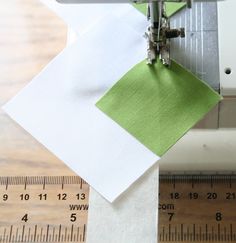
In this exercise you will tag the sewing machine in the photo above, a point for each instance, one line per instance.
(207, 50)
(159, 33)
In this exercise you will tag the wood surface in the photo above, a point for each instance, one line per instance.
(30, 37)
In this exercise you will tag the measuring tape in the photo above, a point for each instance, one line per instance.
(192, 208)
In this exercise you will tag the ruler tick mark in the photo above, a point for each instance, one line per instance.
(200, 233)
(47, 233)
(25, 185)
(194, 232)
(7, 183)
(84, 232)
(192, 180)
(211, 181)
(163, 233)
(53, 234)
(44, 182)
(10, 233)
(23, 233)
(188, 233)
(4, 235)
(35, 232)
(65, 232)
(225, 234)
(62, 184)
(212, 233)
(169, 231)
(59, 234)
(230, 181)
(17, 234)
(41, 233)
(175, 233)
(231, 232)
(219, 238)
(71, 235)
(28, 234)
(77, 238)
(81, 183)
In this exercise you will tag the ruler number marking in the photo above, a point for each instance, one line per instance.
(4, 197)
(174, 195)
(212, 195)
(62, 196)
(171, 215)
(218, 216)
(43, 196)
(81, 196)
(193, 195)
(73, 217)
(25, 218)
(230, 195)
(24, 197)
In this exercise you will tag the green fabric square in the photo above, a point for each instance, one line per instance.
(171, 8)
(158, 105)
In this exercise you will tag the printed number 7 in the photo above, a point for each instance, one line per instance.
(171, 216)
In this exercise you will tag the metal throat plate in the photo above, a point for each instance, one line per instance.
(198, 51)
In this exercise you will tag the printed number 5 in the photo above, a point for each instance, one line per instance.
(73, 217)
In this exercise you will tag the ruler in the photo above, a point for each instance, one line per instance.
(43, 209)
(197, 208)
(192, 208)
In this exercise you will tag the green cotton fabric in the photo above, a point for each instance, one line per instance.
(157, 104)
(171, 8)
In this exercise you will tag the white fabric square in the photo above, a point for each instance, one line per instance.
(58, 109)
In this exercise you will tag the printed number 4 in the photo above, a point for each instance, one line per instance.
(25, 218)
